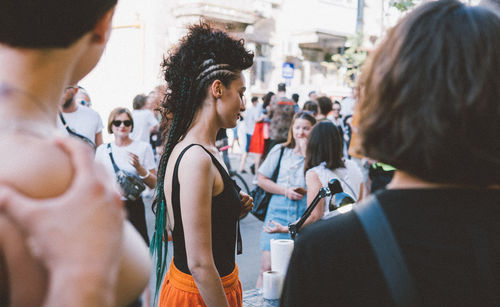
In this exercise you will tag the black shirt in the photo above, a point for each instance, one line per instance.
(226, 208)
(450, 239)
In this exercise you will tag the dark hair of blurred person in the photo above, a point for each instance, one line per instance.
(281, 87)
(139, 101)
(325, 106)
(267, 99)
(311, 106)
(319, 150)
(452, 99)
(50, 23)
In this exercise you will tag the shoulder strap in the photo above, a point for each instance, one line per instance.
(115, 167)
(72, 132)
(387, 251)
(276, 172)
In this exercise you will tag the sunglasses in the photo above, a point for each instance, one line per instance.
(118, 123)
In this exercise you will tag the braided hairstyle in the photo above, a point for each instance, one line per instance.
(203, 56)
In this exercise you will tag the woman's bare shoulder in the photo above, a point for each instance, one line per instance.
(33, 166)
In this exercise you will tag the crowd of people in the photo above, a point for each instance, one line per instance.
(424, 230)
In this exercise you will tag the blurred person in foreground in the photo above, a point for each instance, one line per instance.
(435, 100)
(44, 48)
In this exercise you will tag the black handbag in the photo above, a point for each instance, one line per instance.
(130, 183)
(260, 197)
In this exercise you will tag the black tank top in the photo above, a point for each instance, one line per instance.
(226, 208)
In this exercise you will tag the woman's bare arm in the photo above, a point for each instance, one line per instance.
(272, 187)
(313, 186)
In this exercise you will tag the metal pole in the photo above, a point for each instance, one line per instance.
(360, 16)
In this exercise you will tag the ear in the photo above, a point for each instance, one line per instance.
(102, 30)
(216, 89)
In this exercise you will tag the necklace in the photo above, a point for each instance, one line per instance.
(32, 127)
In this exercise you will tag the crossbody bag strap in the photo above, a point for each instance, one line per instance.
(115, 167)
(277, 169)
(387, 251)
(71, 131)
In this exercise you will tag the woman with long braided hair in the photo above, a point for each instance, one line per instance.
(195, 193)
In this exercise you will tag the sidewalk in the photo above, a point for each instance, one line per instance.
(253, 298)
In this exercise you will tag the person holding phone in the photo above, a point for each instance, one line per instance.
(288, 201)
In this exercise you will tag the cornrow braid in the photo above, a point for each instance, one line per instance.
(213, 75)
(211, 69)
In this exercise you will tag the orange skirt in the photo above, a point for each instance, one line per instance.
(179, 289)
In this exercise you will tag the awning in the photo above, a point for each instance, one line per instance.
(320, 39)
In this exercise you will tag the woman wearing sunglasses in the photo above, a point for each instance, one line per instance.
(132, 156)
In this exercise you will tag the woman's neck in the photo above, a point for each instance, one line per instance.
(203, 129)
(300, 147)
(31, 84)
(123, 141)
(403, 180)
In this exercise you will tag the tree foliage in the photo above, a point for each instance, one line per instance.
(351, 60)
(402, 5)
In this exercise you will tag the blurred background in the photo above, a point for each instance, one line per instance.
(311, 45)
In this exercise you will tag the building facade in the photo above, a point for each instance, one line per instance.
(293, 42)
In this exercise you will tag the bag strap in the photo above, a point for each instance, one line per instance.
(115, 167)
(72, 132)
(276, 172)
(387, 251)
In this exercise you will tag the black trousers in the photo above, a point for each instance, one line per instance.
(137, 216)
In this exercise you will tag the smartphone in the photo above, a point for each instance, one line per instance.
(300, 190)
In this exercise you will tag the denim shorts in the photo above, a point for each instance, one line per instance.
(283, 211)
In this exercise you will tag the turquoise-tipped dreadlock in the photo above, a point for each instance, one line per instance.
(158, 246)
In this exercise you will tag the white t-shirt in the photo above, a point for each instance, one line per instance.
(350, 179)
(251, 115)
(84, 121)
(144, 120)
(120, 155)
